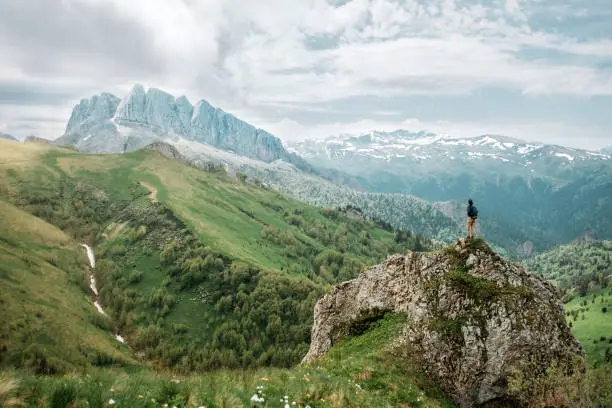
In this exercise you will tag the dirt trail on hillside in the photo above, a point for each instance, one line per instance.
(152, 189)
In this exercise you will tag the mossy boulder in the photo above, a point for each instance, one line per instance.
(474, 320)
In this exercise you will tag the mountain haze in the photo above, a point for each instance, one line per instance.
(551, 194)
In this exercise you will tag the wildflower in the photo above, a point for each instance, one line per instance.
(140, 396)
(257, 398)
(111, 402)
(293, 403)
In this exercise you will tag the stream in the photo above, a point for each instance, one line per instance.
(94, 288)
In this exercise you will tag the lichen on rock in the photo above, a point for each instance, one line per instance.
(473, 319)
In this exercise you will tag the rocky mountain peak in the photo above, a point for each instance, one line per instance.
(89, 112)
(106, 124)
(474, 319)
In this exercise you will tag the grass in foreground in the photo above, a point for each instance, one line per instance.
(357, 372)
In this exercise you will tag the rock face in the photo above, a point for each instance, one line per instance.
(473, 318)
(107, 124)
(167, 150)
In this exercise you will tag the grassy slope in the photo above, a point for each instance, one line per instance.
(357, 372)
(47, 320)
(592, 327)
(210, 204)
(580, 269)
(225, 215)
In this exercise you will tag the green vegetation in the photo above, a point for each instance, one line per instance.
(482, 289)
(591, 321)
(582, 271)
(196, 270)
(358, 371)
(577, 268)
(48, 324)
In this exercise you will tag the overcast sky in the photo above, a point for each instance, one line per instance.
(533, 69)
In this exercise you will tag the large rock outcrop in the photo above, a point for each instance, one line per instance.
(472, 319)
(107, 124)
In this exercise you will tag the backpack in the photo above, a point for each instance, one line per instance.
(474, 212)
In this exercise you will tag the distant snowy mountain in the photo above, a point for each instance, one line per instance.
(108, 124)
(434, 149)
(552, 193)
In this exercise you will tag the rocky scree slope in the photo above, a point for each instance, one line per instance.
(473, 319)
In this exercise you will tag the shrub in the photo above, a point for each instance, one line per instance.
(604, 309)
(63, 396)
(118, 249)
(555, 385)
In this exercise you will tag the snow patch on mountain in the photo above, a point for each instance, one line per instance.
(422, 146)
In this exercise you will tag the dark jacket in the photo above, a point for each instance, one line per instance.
(471, 211)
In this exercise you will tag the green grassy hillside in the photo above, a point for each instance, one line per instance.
(582, 271)
(576, 268)
(591, 320)
(48, 323)
(196, 269)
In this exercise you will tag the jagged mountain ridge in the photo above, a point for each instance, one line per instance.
(107, 124)
(423, 147)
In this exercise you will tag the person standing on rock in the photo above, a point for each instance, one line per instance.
(472, 214)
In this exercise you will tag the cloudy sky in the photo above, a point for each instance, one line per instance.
(534, 69)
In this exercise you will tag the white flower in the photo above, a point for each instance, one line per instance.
(287, 405)
(111, 402)
(293, 403)
(257, 398)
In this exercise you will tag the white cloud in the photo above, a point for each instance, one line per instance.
(257, 56)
